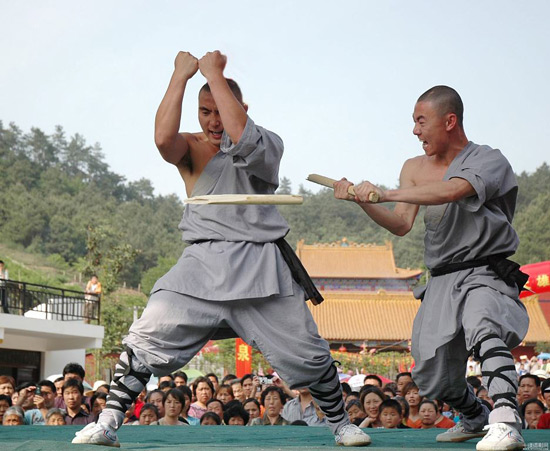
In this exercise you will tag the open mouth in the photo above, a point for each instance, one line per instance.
(216, 134)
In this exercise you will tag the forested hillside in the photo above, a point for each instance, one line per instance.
(59, 198)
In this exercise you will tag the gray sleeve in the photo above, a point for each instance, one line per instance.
(258, 152)
(489, 173)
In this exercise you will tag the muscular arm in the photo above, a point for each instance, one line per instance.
(232, 112)
(399, 221)
(172, 145)
(426, 192)
(408, 197)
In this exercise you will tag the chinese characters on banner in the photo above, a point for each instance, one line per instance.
(243, 358)
(539, 278)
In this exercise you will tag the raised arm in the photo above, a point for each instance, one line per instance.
(232, 112)
(172, 145)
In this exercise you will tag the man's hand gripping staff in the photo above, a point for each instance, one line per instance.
(365, 192)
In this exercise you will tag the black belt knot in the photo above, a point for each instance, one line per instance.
(505, 269)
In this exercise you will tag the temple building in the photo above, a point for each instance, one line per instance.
(369, 301)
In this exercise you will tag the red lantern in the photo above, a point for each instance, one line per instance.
(342, 348)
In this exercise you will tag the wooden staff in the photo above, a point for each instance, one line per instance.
(246, 199)
(329, 183)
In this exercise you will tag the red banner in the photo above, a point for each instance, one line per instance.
(243, 358)
(539, 278)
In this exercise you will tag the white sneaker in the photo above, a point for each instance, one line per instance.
(97, 434)
(458, 434)
(501, 437)
(351, 435)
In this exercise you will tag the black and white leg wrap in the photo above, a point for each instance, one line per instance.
(327, 393)
(129, 379)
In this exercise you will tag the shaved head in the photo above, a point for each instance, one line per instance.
(445, 100)
(232, 85)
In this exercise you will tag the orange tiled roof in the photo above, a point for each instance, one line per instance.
(388, 316)
(351, 260)
(365, 316)
(539, 330)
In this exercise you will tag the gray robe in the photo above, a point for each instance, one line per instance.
(474, 227)
(232, 254)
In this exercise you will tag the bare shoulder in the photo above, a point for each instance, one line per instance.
(411, 171)
(421, 170)
(191, 138)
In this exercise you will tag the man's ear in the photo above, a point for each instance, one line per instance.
(245, 106)
(451, 121)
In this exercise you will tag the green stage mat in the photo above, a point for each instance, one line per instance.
(286, 438)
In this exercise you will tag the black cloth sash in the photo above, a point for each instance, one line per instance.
(505, 269)
(299, 273)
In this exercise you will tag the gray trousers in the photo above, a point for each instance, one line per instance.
(443, 376)
(174, 327)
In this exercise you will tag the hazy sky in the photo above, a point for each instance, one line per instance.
(336, 80)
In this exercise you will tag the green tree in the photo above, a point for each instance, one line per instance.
(106, 257)
(117, 315)
(285, 187)
(153, 274)
(532, 227)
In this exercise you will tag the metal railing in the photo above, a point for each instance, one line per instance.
(44, 302)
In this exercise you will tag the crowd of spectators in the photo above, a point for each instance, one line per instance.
(254, 401)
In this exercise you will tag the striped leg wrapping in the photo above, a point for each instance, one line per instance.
(327, 393)
(129, 379)
(500, 377)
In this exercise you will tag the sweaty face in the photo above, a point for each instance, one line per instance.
(210, 119)
(390, 418)
(429, 127)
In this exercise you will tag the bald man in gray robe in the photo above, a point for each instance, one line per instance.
(237, 277)
(470, 304)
